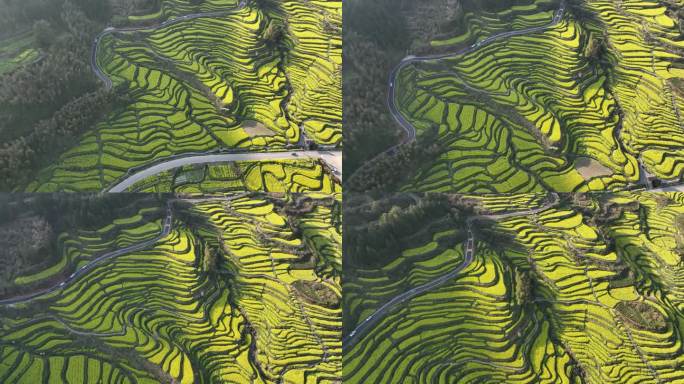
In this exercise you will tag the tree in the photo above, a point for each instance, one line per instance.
(523, 287)
(99, 10)
(210, 261)
(43, 33)
(273, 34)
(77, 22)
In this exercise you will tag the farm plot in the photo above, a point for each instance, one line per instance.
(222, 298)
(321, 231)
(590, 287)
(283, 176)
(466, 331)
(588, 290)
(201, 84)
(544, 110)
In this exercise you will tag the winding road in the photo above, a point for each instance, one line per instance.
(411, 59)
(167, 225)
(109, 30)
(166, 229)
(410, 130)
(332, 158)
(468, 258)
(408, 60)
(369, 321)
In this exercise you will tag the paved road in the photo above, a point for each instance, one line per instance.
(109, 30)
(410, 137)
(332, 158)
(391, 95)
(371, 320)
(166, 229)
(408, 60)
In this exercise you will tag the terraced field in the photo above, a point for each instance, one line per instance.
(248, 76)
(241, 289)
(281, 176)
(586, 289)
(578, 97)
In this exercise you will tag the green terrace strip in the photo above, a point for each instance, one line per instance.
(250, 77)
(584, 288)
(87, 266)
(456, 229)
(500, 204)
(242, 289)
(576, 99)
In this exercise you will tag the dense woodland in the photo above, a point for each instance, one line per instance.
(375, 39)
(387, 171)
